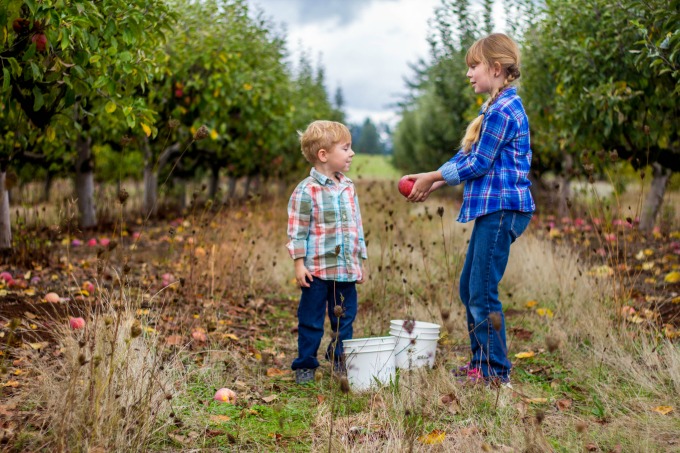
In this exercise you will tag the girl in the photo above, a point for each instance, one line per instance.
(494, 160)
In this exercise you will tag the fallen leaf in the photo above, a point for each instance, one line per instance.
(536, 400)
(270, 398)
(531, 304)
(320, 398)
(672, 277)
(30, 315)
(433, 438)
(663, 410)
(563, 404)
(12, 384)
(230, 336)
(38, 346)
(271, 372)
(525, 355)
(591, 447)
(219, 418)
(174, 340)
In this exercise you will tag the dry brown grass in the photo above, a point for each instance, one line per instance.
(110, 387)
(415, 258)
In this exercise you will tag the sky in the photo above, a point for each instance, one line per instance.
(365, 46)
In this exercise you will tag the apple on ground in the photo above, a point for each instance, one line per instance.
(225, 395)
(76, 323)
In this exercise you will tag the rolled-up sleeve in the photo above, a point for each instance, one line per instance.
(299, 217)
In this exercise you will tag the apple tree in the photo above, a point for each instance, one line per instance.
(66, 64)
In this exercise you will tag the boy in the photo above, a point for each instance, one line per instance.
(326, 240)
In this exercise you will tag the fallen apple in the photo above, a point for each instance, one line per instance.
(406, 186)
(76, 323)
(225, 395)
(52, 298)
(6, 276)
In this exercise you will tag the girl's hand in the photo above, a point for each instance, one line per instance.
(425, 184)
(302, 273)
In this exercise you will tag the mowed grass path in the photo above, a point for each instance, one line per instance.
(374, 167)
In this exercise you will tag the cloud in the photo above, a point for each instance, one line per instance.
(302, 12)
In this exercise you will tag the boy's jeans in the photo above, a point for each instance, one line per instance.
(314, 302)
(485, 262)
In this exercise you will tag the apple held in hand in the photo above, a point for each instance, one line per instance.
(406, 186)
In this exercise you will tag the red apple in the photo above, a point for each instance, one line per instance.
(225, 395)
(406, 186)
(20, 25)
(76, 323)
(40, 41)
(6, 276)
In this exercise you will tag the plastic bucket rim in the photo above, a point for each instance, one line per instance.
(417, 324)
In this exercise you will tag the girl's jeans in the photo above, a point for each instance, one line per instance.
(319, 298)
(485, 262)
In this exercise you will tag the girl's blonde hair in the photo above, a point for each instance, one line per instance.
(495, 48)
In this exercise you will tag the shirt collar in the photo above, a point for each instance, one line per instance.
(323, 179)
(509, 91)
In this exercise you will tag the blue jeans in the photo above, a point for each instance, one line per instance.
(485, 262)
(315, 301)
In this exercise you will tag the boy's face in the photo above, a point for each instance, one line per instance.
(339, 157)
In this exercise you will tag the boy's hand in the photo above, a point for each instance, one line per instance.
(363, 276)
(302, 274)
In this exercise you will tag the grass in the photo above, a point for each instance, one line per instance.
(373, 167)
(595, 390)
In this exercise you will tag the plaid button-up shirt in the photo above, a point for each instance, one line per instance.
(496, 168)
(324, 227)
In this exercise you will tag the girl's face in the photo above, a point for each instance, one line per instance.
(484, 79)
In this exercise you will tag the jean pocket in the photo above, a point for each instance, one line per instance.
(520, 222)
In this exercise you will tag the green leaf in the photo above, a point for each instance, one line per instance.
(16, 69)
(36, 71)
(5, 79)
(95, 58)
(38, 100)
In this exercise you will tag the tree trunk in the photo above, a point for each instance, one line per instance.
(150, 183)
(231, 188)
(564, 191)
(5, 224)
(85, 184)
(214, 182)
(181, 187)
(660, 178)
(47, 187)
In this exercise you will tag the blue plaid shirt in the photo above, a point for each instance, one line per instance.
(496, 168)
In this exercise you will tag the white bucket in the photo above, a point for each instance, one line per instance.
(419, 325)
(368, 360)
(415, 349)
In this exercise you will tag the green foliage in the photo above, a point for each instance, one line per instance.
(594, 84)
(366, 138)
(441, 103)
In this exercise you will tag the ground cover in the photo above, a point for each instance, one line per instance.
(207, 301)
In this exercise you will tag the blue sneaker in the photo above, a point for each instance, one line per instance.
(304, 376)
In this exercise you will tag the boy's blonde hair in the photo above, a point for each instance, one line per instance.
(492, 49)
(322, 134)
